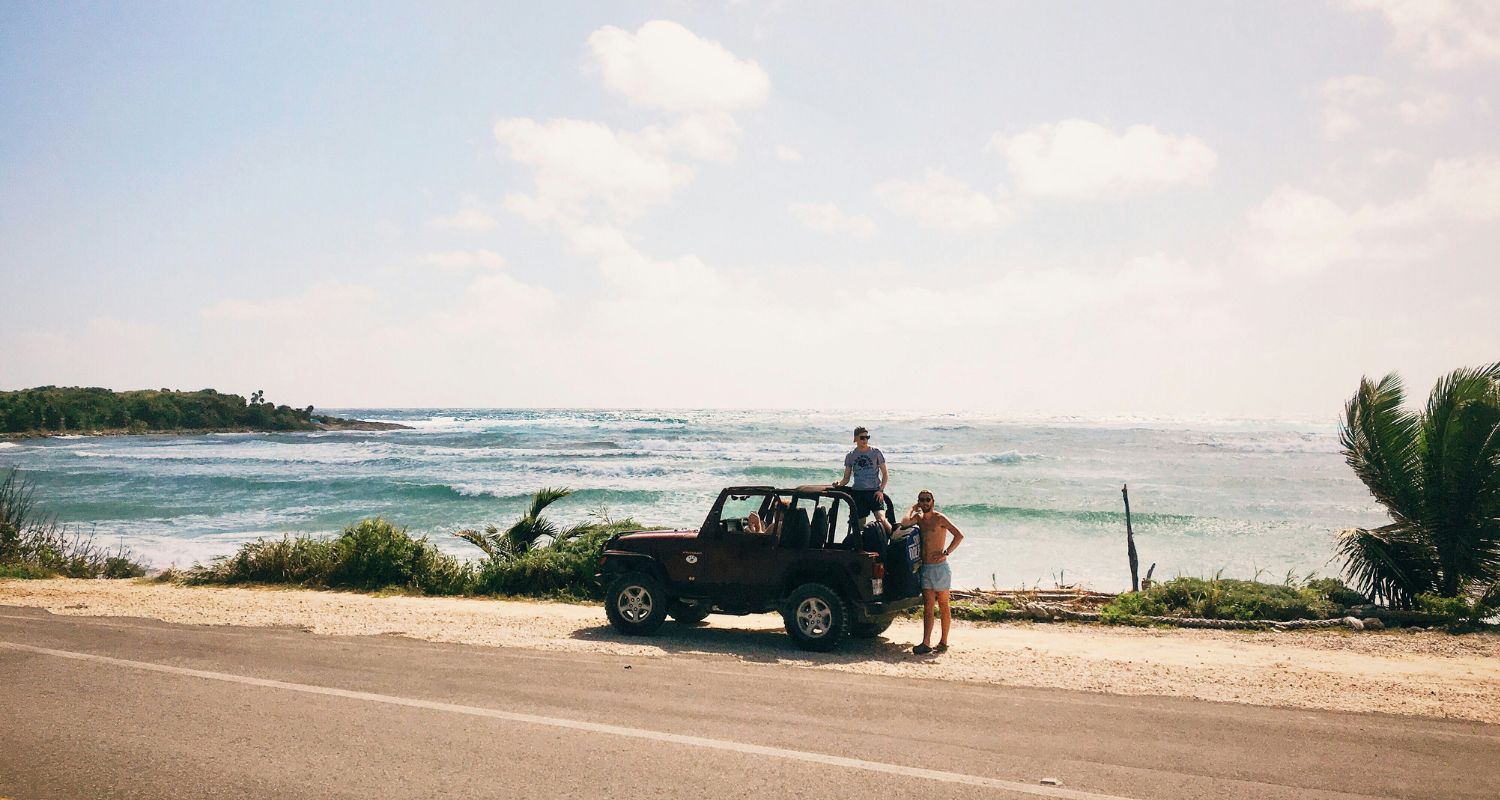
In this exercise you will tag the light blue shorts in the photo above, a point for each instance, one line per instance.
(937, 577)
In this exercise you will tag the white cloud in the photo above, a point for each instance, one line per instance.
(1080, 159)
(1441, 33)
(786, 153)
(1467, 188)
(1343, 100)
(472, 220)
(827, 218)
(665, 66)
(942, 203)
(1428, 108)
(1298, 232)
(582, 169)
(462, 260)
(1025, 297)
(498, 300)
(321, 302)
(711, 136)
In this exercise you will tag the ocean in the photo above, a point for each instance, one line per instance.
(1038, 499)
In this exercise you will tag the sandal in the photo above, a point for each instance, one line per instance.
(921, 650)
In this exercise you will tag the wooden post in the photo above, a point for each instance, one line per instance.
(1135, 566)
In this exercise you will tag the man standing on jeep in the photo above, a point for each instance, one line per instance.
(866, 465)
(937, 576)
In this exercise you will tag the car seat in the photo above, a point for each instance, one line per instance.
(796, 529)
(819, 537)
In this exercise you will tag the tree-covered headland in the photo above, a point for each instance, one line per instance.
(53, 409)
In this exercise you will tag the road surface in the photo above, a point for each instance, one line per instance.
(113, 707)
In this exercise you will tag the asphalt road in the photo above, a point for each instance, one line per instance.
(100, 707)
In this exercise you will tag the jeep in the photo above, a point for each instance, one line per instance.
(765, 549)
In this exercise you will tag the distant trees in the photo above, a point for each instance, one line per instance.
(1437, 473)
(50, 409)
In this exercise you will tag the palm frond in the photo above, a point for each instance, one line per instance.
(575, 531)
(477, 539)
(546, 497)
(1460, 436)
(1385, 564)
(527, 531)
(1380, 445)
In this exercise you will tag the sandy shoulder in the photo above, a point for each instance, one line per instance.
(1400, 672)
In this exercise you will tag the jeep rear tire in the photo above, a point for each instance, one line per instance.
(816, 617)
(636, 604)
(869, 630)
(689, 613)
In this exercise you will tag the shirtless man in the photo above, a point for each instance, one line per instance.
(937, 576)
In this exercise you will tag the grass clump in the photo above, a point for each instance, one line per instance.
(997, 611)
(370, 554)
(1232, 599)
(34, 545)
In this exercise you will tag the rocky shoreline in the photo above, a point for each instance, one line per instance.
(325, 424)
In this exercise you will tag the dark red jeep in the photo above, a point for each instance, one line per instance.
(801, 553)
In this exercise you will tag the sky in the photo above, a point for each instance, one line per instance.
(1154, 208)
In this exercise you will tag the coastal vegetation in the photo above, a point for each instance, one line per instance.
(371, 554)
(1233, 599)
(1437, 473)
(532, 557)
(34, 545)
(52, 409)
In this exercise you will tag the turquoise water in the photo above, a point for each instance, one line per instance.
(1039, 499)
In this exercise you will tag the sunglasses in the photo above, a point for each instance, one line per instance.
(924, 499)
(863, 438)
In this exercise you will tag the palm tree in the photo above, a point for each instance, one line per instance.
(1437, 472)
(527, 532)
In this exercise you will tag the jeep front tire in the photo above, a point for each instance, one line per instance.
(816, 617)
(636, 604)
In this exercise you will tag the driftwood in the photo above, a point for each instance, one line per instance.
(1135, 563)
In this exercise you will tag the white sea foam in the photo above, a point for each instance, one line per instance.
(4, 445)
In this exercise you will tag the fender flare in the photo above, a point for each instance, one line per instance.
(618, 562)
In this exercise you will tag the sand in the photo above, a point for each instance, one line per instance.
(1423, 673)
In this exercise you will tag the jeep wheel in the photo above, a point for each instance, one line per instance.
(689, 613)
(816, 617)
(869, 630)
(635, 604)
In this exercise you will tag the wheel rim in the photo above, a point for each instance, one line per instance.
(634, 603)
(814, 617)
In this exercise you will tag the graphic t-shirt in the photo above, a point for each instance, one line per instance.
(866, 467)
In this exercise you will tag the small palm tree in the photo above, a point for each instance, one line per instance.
(527, 532)
(1437, 472)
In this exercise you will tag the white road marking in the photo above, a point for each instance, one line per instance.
(590, 727)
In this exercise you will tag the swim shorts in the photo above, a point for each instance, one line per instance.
(937, 577)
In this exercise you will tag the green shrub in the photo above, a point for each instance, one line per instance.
(1455, 608)
(371, 554)
(994, 612)
(564, 570)
(1131, 609)
(1227, 598)
(25, 572)
(1337, 592)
